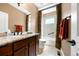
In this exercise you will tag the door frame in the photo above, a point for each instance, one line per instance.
(59, 18)
(73, 27)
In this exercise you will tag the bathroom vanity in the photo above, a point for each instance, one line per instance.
(20, 45)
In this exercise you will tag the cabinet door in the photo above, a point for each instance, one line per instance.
(26, 51)
(32, 50)
(20, 52)
(37, 45)
(6, 50)
(26, 48)
(19, 44)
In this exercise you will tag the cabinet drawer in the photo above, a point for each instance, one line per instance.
(6, 50)
(20, 52)
(19, 44)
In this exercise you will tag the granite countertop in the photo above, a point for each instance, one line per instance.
(10, 39)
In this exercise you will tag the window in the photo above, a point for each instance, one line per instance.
(49, 21)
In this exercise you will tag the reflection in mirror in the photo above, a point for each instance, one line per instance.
(4, 22)
(29, 23)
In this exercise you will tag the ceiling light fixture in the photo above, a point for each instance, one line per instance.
(19, 4)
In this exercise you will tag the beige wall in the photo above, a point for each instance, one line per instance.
(66, 11)
(34, 11)
(15, 17)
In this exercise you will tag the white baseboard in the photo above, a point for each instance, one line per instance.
(62, 53)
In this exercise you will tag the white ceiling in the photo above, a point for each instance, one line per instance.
(21, 9)
(49, 10)
(41, 6)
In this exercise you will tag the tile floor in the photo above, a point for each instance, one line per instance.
(49, 49)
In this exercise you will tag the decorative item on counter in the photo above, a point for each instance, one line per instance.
(18, 29)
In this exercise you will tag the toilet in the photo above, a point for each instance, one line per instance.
(41, 45)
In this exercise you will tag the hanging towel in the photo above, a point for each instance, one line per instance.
(61, 32)
(64, 29)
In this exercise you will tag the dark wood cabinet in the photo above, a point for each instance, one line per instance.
(6, 50)
(20, 52)
(26, 51)
(27, 47)
(19, 48)
(24, 47)
(19, 44)
(32, 48)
